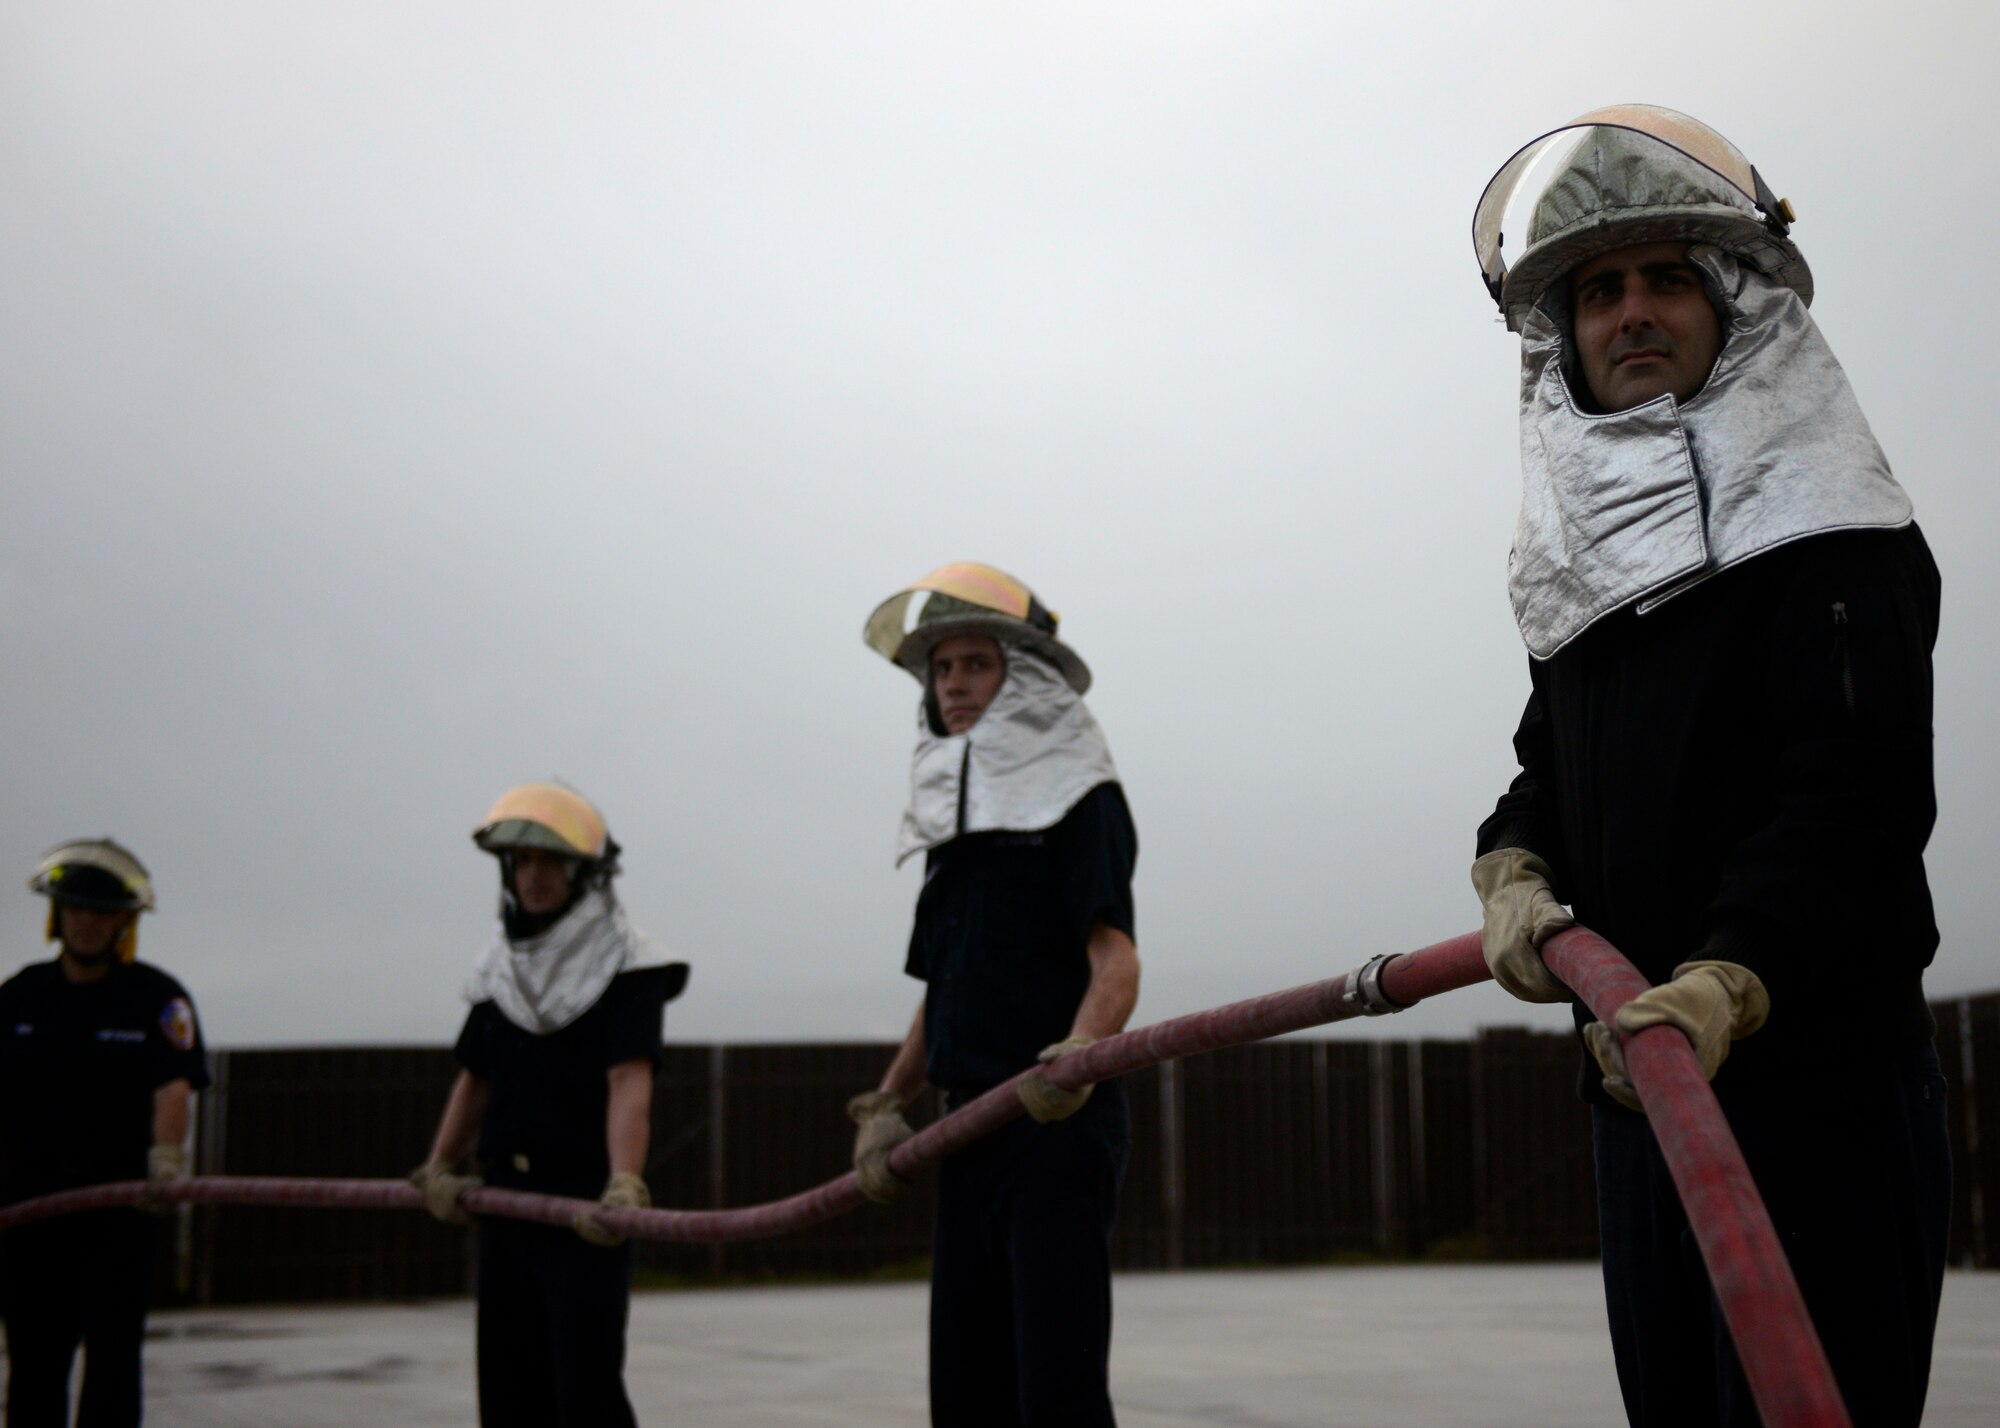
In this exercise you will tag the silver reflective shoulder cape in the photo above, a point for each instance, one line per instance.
(1031, 758)
(545, 982)
(1640, 505)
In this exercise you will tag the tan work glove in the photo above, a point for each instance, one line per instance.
(1051, 1103)
(165, 1165)
(623, 1191)
(1712, 1003)
(879, 1114)
(443, 1190)
(1521, 914)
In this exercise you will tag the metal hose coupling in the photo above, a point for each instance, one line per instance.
(1364, 995)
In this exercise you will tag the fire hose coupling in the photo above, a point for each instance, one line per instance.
(1364, 992)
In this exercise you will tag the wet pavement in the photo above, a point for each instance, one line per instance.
(1433, 1345)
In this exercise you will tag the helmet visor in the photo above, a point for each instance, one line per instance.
(1516, 191)
(543, 815)
(965, 583)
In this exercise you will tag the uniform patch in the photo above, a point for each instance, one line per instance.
(177, 1024)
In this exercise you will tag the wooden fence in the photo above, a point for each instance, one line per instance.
(1285, 1152)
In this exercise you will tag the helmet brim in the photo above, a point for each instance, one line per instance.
(510, 834)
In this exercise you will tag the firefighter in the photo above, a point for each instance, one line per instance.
(100, 1058)
(554, 1091)
(1024, 941)
(1725, 759)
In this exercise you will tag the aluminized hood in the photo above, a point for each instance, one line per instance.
(1032, 756)
(1640, 505)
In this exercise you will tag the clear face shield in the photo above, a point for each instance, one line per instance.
(1662, 174)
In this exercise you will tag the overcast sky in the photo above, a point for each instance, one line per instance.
(401, 401)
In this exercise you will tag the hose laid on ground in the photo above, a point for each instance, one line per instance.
(1787, 1369)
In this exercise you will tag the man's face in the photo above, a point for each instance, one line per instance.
(966, 671)
(541, 880)
(89, 933)
(1644, 325)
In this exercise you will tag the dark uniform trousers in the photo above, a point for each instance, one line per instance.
(1021, 1272)
(552, 1313)
(80, 1281)
(1854, 1164)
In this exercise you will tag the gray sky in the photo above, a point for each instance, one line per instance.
(399, 402)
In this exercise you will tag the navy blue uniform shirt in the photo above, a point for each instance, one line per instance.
(549, 1092)
(1002, 936)
(79, 1062)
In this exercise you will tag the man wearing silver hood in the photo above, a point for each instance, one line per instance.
(1726, 756)
(1024, 940)
(555, 1092)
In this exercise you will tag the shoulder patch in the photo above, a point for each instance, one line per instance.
(177, 1024)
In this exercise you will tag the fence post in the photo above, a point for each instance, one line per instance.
(1171, 1180)
(1968, 1110)
(1417, 1231)
(211, 1157)
(1322, 1119)
(1382, 1142)
(718, 1136)
(1480, 1145)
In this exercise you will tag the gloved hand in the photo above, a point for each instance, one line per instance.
(1712, 1003)
(1521, 914)
(165, 1164)
(1051, 1103)
(879, 1114)
(443, 1190)
(623, 1191)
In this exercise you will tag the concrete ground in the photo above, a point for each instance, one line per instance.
(1389, 1346)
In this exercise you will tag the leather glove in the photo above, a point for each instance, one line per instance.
(1521, 914)
(1051, 1103)
(165, 1165)
(879, 1114)
(623, 1191)
(1712, 1003)
(443, 1190)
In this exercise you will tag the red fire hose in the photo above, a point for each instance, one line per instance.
(1781, 1354)
(1789, 1376)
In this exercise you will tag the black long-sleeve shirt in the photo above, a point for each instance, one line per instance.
(1745, 774)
